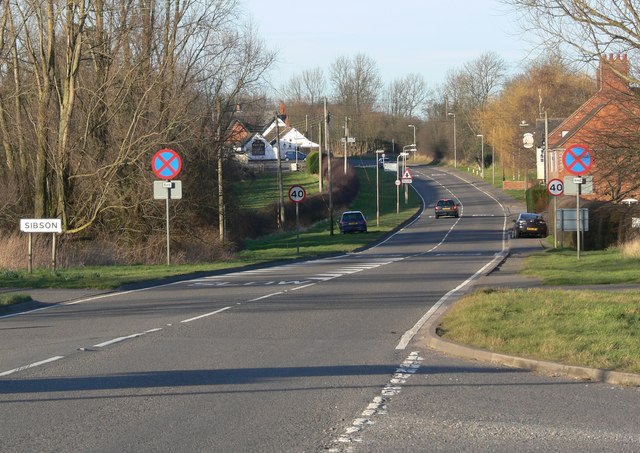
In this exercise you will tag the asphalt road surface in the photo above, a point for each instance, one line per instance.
(305, 357)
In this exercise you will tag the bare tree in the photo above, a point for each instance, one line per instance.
(315, 85)
(591, 28)
(407, 95)
(356, 82)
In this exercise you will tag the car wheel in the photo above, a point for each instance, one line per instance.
(516, 235)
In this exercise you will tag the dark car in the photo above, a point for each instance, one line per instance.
(291, 155)
(382, 161)
(351, 221)
(446, 207)
(529, 224)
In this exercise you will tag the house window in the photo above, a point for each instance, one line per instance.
(257, 148)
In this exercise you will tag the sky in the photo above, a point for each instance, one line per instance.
(427, 37)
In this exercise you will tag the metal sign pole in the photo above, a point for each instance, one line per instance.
(555, 222)
(297, 230)
(578, 220)
(167, 214)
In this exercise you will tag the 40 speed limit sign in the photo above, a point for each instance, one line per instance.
(297, 194)
(555, 187)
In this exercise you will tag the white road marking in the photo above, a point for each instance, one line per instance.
(128, 337)
(378, 406)
(206, 315)
(32, 365)
(265, 296)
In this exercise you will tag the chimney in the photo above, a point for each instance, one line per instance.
(612, 73)
(282, 113)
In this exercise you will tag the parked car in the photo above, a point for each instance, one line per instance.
(446, 207)
(291, 155)
(382, 161)
(351, 221)
(529, 224)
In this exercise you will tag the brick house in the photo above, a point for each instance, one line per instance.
(608, 124)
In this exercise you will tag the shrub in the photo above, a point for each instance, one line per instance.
(631, 249)
(313, 162)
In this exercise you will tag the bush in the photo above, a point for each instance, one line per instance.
(313, 159)
(631, 249)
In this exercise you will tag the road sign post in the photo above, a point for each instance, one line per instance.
(555, 187)
(30, 226)
(166, 164)
(297, 195)
(577, 160)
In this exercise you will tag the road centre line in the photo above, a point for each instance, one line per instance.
(32, 365)
(205, 315)
(128, 337)
(266, 296)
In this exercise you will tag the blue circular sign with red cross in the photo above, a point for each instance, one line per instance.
(577, 159)
(166, 164)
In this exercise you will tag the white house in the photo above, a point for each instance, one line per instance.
(261, 145)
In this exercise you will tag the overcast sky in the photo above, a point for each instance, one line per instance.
(428, 37)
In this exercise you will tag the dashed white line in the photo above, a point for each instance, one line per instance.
(128, 337)
(32, 365)
(265, 296)
(378, 406)
(205, 315)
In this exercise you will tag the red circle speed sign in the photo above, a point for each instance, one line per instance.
(555, 187)
(166, 164)
(297, 194)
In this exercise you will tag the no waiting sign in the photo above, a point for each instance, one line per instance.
(166, 164)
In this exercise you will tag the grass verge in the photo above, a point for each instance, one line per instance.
(6, 300)
(598, 329)
(561, 267)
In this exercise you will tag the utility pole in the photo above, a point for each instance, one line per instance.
(280, 190)
(218, 126)
(346, 138)
(330, 182)
(320, 179)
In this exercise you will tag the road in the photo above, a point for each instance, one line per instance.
(312, 356)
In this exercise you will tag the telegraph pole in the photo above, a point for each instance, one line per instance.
(280, 190)
(330, 183)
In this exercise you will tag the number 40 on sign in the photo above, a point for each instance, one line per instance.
(555, 187)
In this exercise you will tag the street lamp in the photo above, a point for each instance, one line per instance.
(346, 139)
(414, 140)
(482, 154)
(455, 147)
(403, 154)
(378, 152)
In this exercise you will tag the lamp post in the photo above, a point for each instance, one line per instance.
(378, 152)
(455, 147)
(414, 140)
(403, 154)
(346, 139)
(481, 154)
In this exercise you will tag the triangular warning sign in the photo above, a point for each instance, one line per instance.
(406, 175)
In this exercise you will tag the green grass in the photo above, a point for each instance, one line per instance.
(9, 299)
(315, 241)
(263, 190)
(598, 329)
(562, 267)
